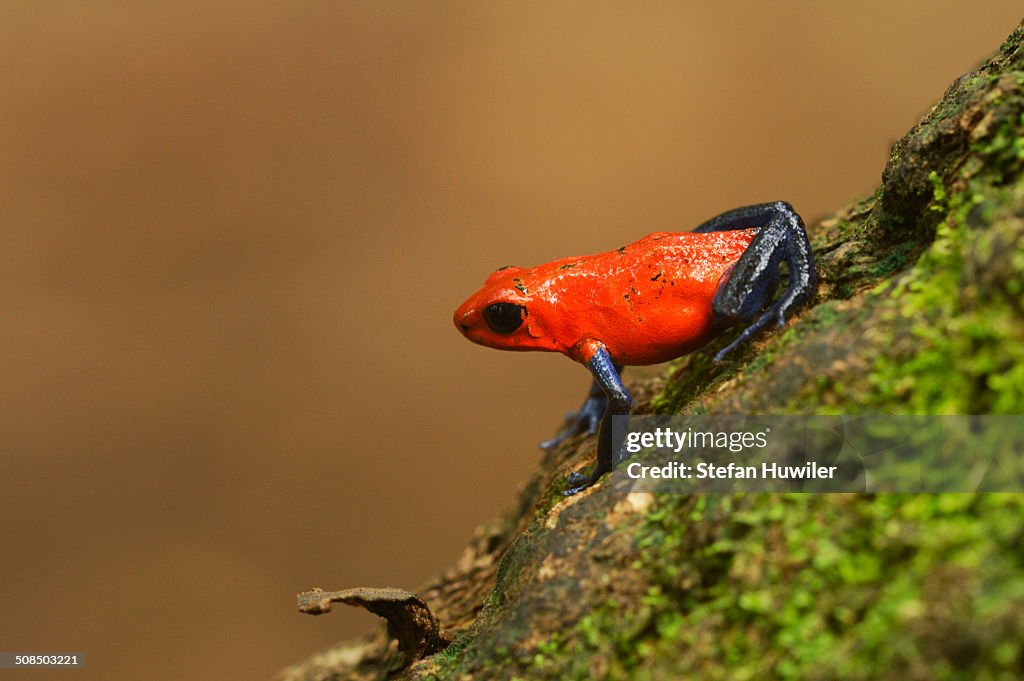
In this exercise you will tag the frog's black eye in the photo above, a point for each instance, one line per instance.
(504, 318)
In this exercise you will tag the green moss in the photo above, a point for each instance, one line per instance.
(893, 261)
(453, 651)
(955, 345)
(809, 586)
(688, 378)
(1004, 150)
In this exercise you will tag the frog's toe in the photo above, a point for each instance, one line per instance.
(568, 431)
(556, 440)
(577, 482)
(586, 420)
(575, 479)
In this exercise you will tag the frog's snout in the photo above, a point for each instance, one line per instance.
(462, 318)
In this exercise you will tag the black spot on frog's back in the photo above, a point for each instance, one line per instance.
(572, 265)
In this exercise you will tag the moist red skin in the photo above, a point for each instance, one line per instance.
(647, 302)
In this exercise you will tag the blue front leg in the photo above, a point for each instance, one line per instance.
(606, 376)
(586, 419)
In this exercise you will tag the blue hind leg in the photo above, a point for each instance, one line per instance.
(747, 294)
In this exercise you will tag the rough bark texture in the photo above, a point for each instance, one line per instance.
(920, 311)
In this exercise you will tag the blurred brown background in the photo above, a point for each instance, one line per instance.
(233, 235)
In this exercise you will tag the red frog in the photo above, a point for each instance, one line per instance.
(663, 296)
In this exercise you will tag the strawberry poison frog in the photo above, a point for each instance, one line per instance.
(658, 298)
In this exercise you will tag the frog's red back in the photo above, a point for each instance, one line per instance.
(647, 302)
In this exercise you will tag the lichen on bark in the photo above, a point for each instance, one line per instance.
(920, 311)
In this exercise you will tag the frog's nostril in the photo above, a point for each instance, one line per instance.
(464, 327)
